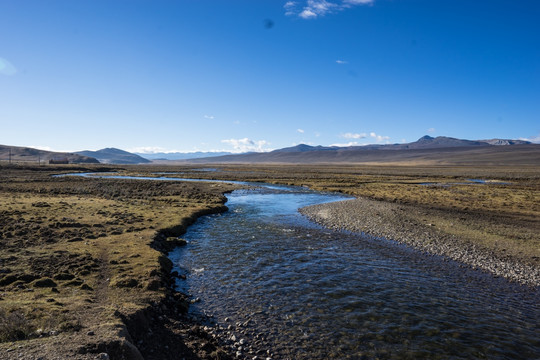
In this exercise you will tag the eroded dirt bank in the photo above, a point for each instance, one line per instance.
(426, 230)
(83, 266)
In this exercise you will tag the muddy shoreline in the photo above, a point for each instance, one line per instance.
(404, 224)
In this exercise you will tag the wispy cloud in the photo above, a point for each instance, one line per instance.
(358, 2)
(354, 136)
(211, 117)
(245, 145)
(290, 8)
(312, 9)
(342, 62)
(48, 148)
(41, 147)
(358, 136)
(431, 130)
(6, 68)
(301, 131)
(149, 150)
(379, 138)
(352, 143)
(533, 139)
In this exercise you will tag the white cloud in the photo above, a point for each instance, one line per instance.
(148, 150)
(533, 139)
(352, 143)
(342, 62)
(290, 8)
(315, 8)
(48, 148)
(354, 136)
(307, 14)
(42, 147)
(357, 136)
(245, 145)
(6, 68)
(379, 138)
(358, 2)
(301, 131)
(431, 130)
(211, 117)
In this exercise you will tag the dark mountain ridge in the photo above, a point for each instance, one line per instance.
(114, 156)
(427, 149)
(26, 154)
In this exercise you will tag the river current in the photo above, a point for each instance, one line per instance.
(286, 288)
(276, 285)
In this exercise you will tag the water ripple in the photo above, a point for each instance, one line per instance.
(307, 293)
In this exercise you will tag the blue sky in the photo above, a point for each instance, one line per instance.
(247, 75)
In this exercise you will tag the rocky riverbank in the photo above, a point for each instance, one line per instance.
(417, 227)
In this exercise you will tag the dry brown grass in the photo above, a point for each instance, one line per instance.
(76, 252)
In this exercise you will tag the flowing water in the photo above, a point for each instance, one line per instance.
(277, 284)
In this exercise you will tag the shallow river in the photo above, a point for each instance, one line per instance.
(284, 285)
(280, 286)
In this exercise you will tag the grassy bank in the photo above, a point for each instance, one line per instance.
(80, 256)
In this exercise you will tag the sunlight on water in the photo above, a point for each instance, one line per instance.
(304, 292)
(289, 289)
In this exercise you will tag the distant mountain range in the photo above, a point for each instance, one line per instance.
(427, 149)
(114, 156)
(30, 155)
(425, 142)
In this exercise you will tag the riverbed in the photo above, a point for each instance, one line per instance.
(269, 283)
(273, 284)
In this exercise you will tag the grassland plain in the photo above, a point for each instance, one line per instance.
(83, 269)
(83, 265)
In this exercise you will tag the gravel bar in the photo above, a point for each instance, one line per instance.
(402, 223)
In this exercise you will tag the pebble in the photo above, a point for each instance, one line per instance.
(392, 222)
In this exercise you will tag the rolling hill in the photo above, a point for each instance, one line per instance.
(114, 156)
(426, 150)
(31, 155)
